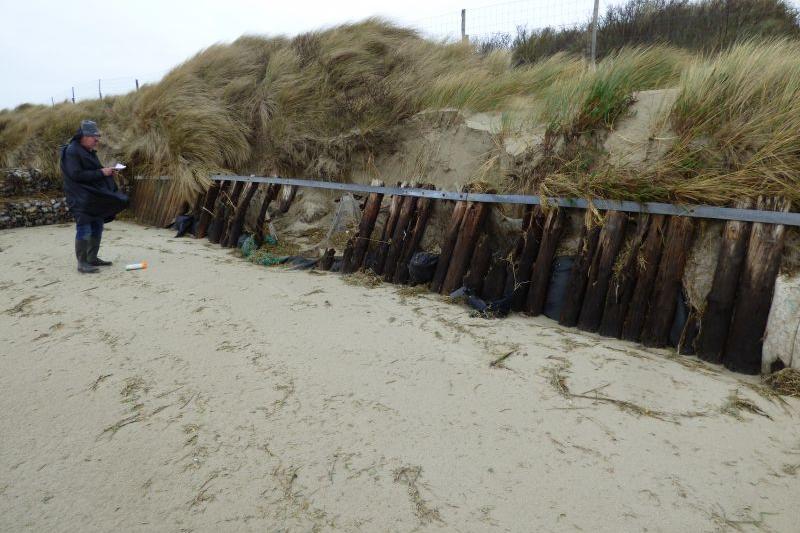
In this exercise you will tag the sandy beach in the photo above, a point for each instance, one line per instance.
(210, 394)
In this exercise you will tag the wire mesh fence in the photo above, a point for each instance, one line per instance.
(102, 87)
(488, 22)
(553, 26)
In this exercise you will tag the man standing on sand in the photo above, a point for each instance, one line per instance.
(92, 194)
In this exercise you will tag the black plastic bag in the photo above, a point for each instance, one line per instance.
(557, 290)
(422, 267)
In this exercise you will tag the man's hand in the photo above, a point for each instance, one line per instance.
(107, 171)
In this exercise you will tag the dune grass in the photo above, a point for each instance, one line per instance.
(737, 122)
(296, 106)
(307, 106)
(735, 129)
(596, 98)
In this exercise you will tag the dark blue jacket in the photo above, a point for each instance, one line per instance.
(90, 195)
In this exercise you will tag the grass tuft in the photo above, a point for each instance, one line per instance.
(785, 381)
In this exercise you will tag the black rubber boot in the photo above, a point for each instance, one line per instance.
(91, 257)
(81, 251)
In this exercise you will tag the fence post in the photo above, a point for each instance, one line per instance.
(137, 84)
(464, 25)
(73, 95)
(594, 32)
(99, 91)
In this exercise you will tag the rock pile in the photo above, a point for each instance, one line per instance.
(33, 212)
(25, 181)
(27, 198)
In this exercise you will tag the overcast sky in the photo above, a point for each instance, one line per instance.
(47, 46)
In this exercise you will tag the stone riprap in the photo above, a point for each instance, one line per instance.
(33, 212)
(27, 198)
(24, 182)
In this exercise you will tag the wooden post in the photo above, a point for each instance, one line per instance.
(686, 344)
(99, 90)
(287, 196)
(387, 232)
(471, 227)
(362, 237)
(494, 283)
(479, 265)
(271, 194)
(611, 237)
(668, 282)
(348, 251)
(716, 317)
(230, 207)
(216, 225)
(237, 222)
(532, 237)
(594, 32)
(579, 275)
(754, 296)
(411, 244)
(197, 208)
(207, 210)
(137, 84)
(648, 259)
(400, 234)
(450, 237)
(540, 275)
(620, 290)
(326, 261)
(526, 221)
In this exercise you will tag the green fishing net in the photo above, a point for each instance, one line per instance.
(266, 255)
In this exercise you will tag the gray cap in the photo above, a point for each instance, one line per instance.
(89, 128)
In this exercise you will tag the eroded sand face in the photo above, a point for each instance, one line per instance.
(209, 394)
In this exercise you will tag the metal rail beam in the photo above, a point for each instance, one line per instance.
(696, 211)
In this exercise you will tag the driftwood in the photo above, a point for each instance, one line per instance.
(754, 296)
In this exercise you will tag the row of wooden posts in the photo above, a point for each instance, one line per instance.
(225, 204)
(625, 281)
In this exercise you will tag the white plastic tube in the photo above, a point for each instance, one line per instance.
(137, 266)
